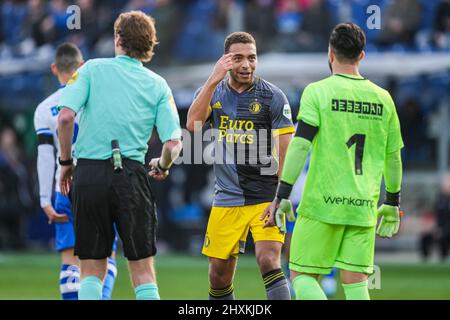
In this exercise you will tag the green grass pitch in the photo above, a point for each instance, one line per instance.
(35, 276)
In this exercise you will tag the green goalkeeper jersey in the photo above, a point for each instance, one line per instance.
(358, 126)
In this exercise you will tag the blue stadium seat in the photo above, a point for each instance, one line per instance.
(197, 42)
(435, 86)
(407, 87)
(424, 35)
(358, 14)
(188, 214)
(13, 17)
(333, 8)
(20, 92)
(428, 12)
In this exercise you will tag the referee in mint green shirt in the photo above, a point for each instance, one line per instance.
(123, 101)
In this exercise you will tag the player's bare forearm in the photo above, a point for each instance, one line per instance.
(66, 120)
(200, 110)
(170, 152)
(282, 144)
(160, 166)
(393, 171)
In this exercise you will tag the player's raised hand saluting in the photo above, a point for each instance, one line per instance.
(223, 65)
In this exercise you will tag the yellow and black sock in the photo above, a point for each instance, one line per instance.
(226, 293)
(277, 287)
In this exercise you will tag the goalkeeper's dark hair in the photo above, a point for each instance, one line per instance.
(347, 41)
(68, 57)
(237, 37)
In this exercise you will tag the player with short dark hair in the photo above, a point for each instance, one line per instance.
(353, 128)
(248, 113)
(237, 37)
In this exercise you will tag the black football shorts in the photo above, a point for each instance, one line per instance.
(102, 198)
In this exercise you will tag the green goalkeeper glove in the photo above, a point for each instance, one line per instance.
(284, 211)
(389, 222)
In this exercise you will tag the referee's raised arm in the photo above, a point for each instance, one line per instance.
(121, 102)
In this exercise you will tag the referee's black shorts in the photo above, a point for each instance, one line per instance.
(102, 197)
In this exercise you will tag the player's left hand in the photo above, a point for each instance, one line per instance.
(65, 180)
(389, 222)
(269, 214)
(284, 211)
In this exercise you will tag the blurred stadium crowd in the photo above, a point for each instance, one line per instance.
(192, 31)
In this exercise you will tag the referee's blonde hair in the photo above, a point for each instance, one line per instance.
(137, 34)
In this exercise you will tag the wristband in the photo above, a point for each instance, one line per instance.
(161, 168)
(392, 199)
(65, 162)
(283, 191)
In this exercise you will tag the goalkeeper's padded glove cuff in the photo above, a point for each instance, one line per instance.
(283, 191)
(392, 199)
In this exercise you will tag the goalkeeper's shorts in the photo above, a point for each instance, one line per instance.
(317, 247)
(228, 228)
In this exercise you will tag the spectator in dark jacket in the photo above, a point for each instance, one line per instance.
(441, 33)
(260, 21)
(16, 198)
(316, 27)
(441, 233)
(401, 21)
(442, 210)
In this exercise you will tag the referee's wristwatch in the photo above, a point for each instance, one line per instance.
(161, 168)
(65, 162)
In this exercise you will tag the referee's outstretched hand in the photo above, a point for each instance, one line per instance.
(65, 181)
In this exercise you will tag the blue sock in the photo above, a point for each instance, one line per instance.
(285, 268)
(287, 273)
(90, 289)
(332, 273)
(329, 284)
(147, 291)
(110, 278)
(69, 281)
